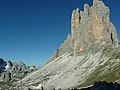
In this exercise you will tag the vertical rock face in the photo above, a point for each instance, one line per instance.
(75, 21)
(90, 29)
(2, 65)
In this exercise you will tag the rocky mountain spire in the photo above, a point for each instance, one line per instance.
(75, 21)
(90, 29)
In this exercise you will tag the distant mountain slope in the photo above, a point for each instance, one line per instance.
(13, 71)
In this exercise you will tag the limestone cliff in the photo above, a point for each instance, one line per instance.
(90, 29)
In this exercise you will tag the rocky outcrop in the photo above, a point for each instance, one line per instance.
(14, 70)
(90, 29)
(105, 86)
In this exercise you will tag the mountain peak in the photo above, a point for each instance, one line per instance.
(90, 29)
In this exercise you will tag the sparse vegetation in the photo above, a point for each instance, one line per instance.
(109, 72)
(111, 53)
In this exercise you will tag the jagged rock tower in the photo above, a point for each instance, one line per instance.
(90, 29)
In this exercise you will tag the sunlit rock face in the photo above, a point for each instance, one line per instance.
(90, 29)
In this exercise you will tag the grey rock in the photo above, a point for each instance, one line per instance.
(14, 70)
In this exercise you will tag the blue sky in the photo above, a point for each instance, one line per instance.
(32, 30)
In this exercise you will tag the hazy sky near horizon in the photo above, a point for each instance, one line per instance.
(32, 30)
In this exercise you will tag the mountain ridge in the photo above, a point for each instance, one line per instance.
(13, 71)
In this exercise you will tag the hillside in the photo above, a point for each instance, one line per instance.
(70, 71)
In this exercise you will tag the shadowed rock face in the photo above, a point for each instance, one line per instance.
(102, 86)
(2, 65)
(90, 29)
